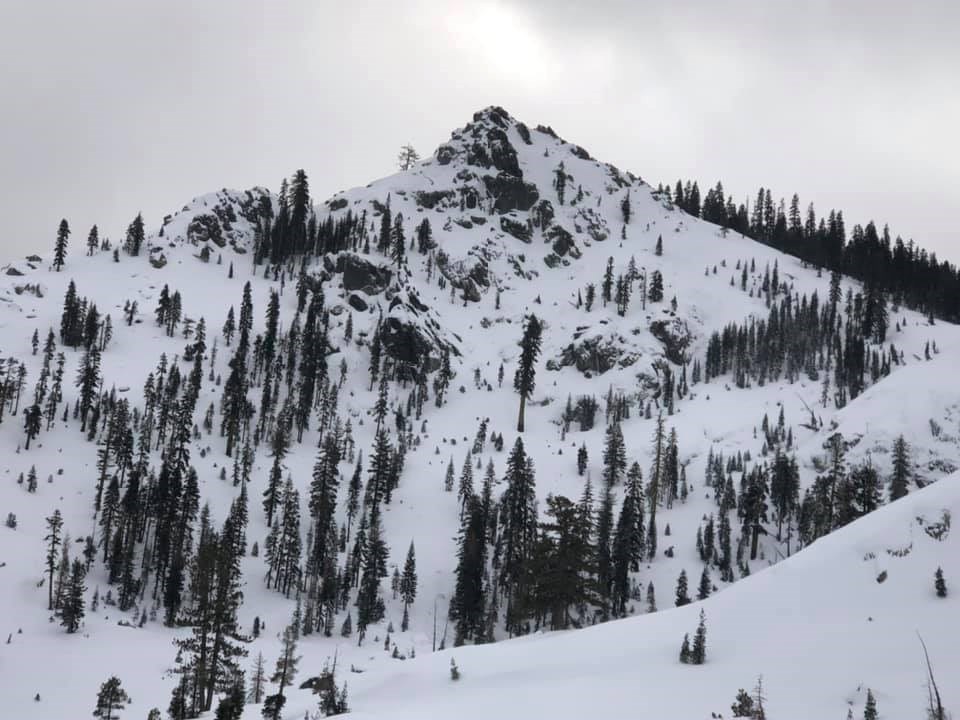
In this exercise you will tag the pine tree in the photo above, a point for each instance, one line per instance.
(900, 478)
(606, 287)
(655, 292)
(939, 584)
(286, 669)
(870, 709)
(407, 158)
(53, 540)
(698, 653)
(93, 240)
(524, 378)
(685, 649)
(658, 250)
(703, 591)
(519, 518)
(111, 699)
(73, 606)
(614, 456)
(408, 585)
(258, 681)
(683, 597)
(135, 236)
(60, 248)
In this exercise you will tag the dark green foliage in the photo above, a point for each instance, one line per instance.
(939, 584)
(111, 699)
(698, 652)
(655, 291)
(685, 649)
(683, 597)
(870, 709)
(704, 589)
(73, 606)
(408, 584)
(743, 705)
(523, 380)
(135, 236)
(901, 475)
(518, 512)
(561, 564)
(60, 248)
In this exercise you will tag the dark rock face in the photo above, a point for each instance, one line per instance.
(524, 133)
(337, 204)
(511, 193)
(357, 302)
(502, 153)
(205, 227)
(404, 342)
(518, 229)
(675, 337)
(445, 154)
(13, 272)
(430, 200)
(594, 355)
(580, 153)
(468, 275)
(34, 258)
(563, 242)
(360, 274)
(543, 214)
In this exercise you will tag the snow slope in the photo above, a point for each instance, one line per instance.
(822, 588)
(820, 628)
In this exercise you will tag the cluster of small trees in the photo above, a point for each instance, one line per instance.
(619, 289)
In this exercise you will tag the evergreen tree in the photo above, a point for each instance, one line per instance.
(60, 248)
(519, 518)
(683, 598)
(72, 608)
(655, 292)
(408, 584)
(900, 478)
(614, 456)
(111, 699)
(286, 669)
(135, 236)
(939, 584)
(53, 540)
(407, 158)
(625, 208)
(870, 709)
(93, 240)
(698, 652)
(258, 681)
(524, 379)
(606, 287)
(703, 591)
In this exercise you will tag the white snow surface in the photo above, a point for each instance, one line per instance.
(818, 626)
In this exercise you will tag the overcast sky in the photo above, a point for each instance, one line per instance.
(110, 108)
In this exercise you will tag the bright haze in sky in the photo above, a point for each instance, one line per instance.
(110, 108)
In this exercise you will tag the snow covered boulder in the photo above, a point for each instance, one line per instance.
(675, 336)
(360, 274)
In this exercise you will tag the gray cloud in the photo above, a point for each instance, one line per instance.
(115, 107)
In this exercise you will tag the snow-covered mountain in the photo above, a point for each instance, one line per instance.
(520, 222)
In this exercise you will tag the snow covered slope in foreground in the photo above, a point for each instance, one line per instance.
(820, 627)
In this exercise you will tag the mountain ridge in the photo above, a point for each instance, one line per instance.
(513, 231)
